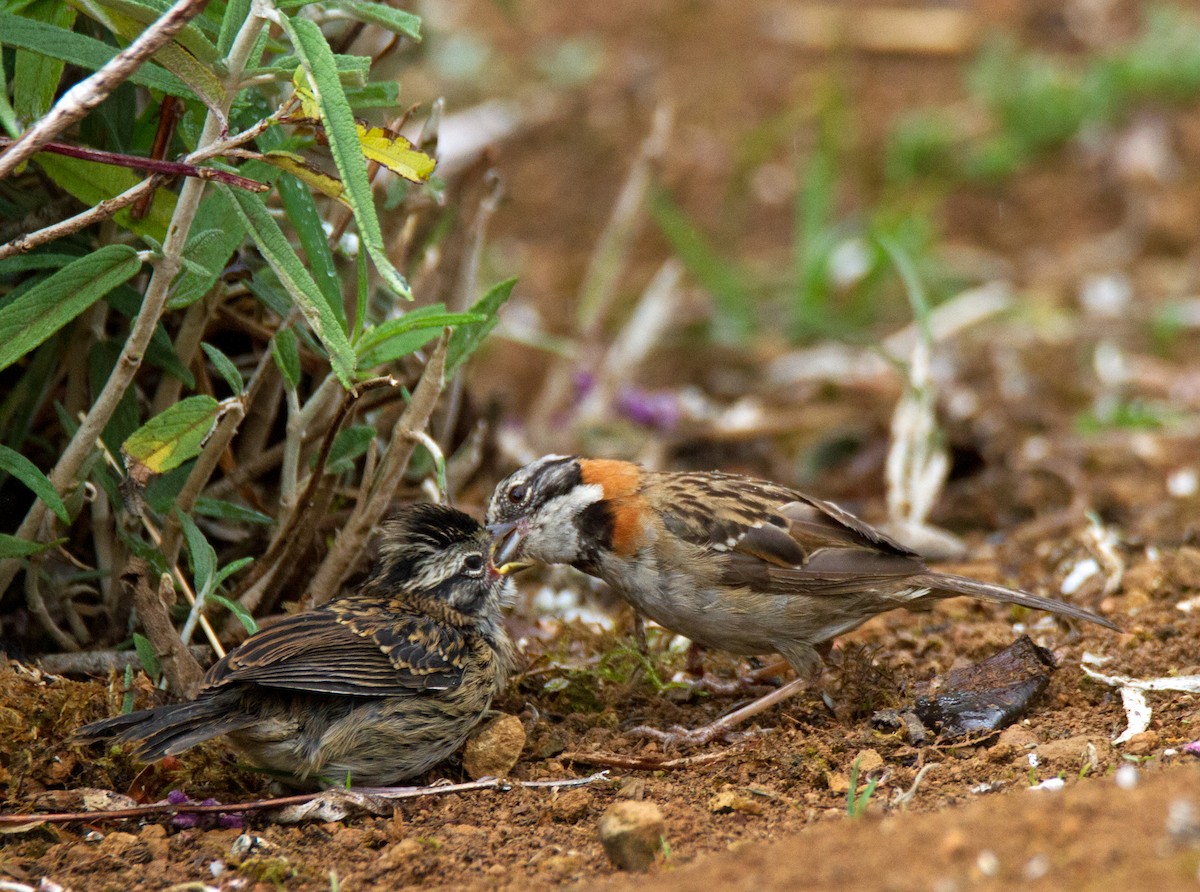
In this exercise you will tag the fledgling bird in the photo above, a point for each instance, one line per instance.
(375, 686)
(731, 562)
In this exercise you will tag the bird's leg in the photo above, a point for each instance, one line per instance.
(746, 683)
(722, 726)
(805, 659)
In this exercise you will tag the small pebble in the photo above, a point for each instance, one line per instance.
(494, 748)
(631, 832)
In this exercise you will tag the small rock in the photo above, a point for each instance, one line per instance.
(494, 748)
(155, 838)
(1142, 744)
(563, 865)
(635, 788)
(728, 801)
(838, 782)
(570, 806)
(126, 847)
(632, 833)
(868, 761)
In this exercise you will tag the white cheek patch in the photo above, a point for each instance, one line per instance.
(555, 538)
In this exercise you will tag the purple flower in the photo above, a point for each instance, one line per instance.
(186, 822)
(177, 797)
(657, 409)
(1193, 748)
(230, 821)
(584, 382)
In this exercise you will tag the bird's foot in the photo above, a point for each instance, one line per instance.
(723, 727)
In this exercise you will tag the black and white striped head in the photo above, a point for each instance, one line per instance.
(440, 552)
(557, 509)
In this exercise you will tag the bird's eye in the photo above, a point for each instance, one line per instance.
(517, 493)
(473, 563)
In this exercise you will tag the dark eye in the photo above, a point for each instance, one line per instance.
(473, 563)
(517, 493)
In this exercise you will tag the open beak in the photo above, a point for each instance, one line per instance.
(513, 567)
(507, 539)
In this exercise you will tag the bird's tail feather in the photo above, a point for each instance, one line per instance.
(949, 584)
(169, 730)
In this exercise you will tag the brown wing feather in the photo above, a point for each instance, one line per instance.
(778, 539)
(351, 648)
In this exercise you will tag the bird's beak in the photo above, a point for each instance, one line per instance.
(513, 567)
(507, 539)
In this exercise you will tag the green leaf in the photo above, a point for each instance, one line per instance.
(175, 435)
(302, 213)
(286, 353)
(8, 117)
(198, 75)
(84, 52)
(348, 445)
(274, 246)
(395, 20)
(190, 36)
(27, 472)
(231, 568)
(202, 556)
(225, 368)
(467, 338)
(23, 263)
(216, 234)
(92, 182)
(36, 76)
(338, 119)
(223, 510)
(390, 340)
(28, 320)
(147, 655)
(12, 547)
(231, 23)
(239, 611)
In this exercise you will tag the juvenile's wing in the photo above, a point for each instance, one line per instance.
(352, 647)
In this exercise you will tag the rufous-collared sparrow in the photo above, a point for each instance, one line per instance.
(731, 562)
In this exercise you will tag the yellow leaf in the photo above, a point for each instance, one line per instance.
(308, 173)
(395, 153)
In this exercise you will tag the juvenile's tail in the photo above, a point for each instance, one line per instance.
(169, 730)
(946, 584)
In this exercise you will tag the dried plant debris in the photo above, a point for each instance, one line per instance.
(1133, 696)
(988, 695)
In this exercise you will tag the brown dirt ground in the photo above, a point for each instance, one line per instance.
(1020, 508)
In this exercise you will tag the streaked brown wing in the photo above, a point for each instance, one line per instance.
(760, 519)
(347, 649)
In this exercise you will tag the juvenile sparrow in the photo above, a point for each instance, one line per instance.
(375, 686)
(730, 562)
